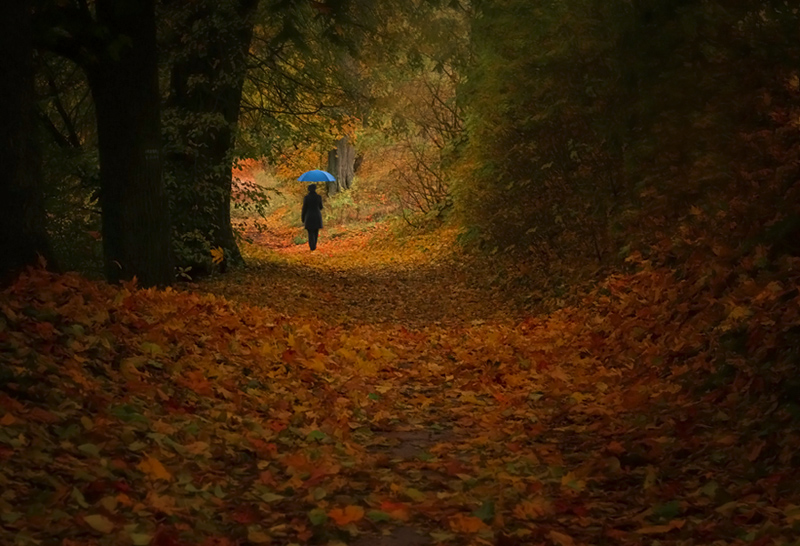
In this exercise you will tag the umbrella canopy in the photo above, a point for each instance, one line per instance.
(316, 176)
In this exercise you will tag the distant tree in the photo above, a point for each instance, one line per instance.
(22, 220)
(341, 164)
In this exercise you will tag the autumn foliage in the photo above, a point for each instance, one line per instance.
(660, 407)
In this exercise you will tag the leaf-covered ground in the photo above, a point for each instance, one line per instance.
(371, 394)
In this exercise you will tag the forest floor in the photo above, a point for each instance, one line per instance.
(371, 393)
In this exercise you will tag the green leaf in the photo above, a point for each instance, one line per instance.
(271, 497)
(442, 536)
(316, 435)
(89, 449)
(415, 494)
(151, 348)
(710, 489)
(319, 493)
(486, 511)
(377, 515)
(668, 511)
(78, 496)
(374, 396)
(10, 517)
(317, 516)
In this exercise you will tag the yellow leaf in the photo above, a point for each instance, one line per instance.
(217, 255)
(739, 312)
(571, 480)
(99, 523)
(316, 363)
(153, 468)
(792, 513)
(650, 478)
(561, 539)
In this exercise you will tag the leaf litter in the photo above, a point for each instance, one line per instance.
(172, 418)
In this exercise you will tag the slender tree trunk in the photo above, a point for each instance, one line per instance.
(124, 84)
(22, 233)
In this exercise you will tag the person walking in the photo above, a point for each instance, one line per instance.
(311, 216)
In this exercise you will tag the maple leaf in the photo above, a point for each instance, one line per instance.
(217, 255)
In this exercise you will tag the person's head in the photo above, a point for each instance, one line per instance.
(312, 188)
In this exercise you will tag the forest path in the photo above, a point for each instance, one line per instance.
(463, 428)
(353, 280)
(371, 395)
(482, 427)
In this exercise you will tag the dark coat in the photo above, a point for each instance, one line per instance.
(312, 211)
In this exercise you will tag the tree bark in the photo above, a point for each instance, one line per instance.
(124, 83)
(207, 85)
(22, 234)
(341, 164)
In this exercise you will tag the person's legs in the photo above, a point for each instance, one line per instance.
(312, 238)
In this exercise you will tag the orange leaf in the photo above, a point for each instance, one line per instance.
(466, 524)
(396, 510)
(350, 514)
(153, 468)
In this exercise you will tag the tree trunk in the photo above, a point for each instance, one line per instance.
(124, 83)
(341, 164)
(206, 84)
(22, 233)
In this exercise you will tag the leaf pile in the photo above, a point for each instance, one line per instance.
(658, 411)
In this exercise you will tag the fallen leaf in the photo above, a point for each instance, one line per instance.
(153, 468)
(561, 539)
(350, 514)
(99, 523)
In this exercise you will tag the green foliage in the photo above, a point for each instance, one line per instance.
(598, 127)
(341, 209)
(543, 161)
(69, 166)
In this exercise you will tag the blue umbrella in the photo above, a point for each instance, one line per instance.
(316, 176)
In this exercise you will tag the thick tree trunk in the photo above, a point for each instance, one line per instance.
(124, 84)
(207, 85)
(341, 164)
(22, 233)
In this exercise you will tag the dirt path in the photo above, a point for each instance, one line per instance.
(345, 289)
